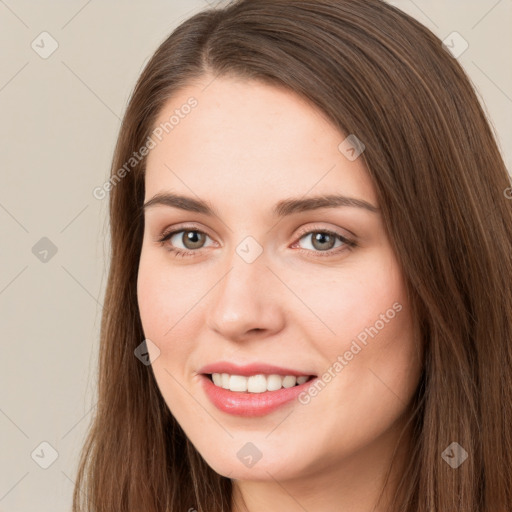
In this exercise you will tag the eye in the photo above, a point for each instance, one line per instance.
(324, 240)
(191, 238)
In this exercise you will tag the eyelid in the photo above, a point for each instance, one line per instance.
(303, 231)
(316, 227)
(176, 229)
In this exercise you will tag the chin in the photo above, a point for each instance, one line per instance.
(276, 466)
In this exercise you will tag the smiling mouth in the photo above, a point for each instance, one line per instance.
(259, 383)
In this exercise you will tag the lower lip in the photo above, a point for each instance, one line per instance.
(251, 404)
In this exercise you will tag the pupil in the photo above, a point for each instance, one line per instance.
(190, 237)
(320, 237)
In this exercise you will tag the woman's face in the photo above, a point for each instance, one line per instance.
(261, 283)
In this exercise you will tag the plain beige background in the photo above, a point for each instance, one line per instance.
(60, 117)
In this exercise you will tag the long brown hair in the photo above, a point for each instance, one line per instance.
(442, 187)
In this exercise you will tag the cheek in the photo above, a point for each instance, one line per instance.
(153, 300)
(164, 296)
(357, 297)
(163, 310)
(170, 307)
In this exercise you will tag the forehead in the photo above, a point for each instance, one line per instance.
(247, 137)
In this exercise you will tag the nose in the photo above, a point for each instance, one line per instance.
(247, 301)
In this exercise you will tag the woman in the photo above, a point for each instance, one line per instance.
(246, 367)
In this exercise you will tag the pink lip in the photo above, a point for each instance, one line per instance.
(249, 369)
(251, 404)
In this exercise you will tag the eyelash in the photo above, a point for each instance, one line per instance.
(348, 243)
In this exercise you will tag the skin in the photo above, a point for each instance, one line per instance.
(246, 146)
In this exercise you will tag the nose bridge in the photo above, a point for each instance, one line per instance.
(247, 267)
(242, 300)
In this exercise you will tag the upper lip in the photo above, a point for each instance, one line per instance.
(250, 369)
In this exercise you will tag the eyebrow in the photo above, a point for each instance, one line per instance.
(281, 209)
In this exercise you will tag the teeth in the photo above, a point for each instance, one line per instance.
(237, 383)
(217, 379)
(256, 383)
